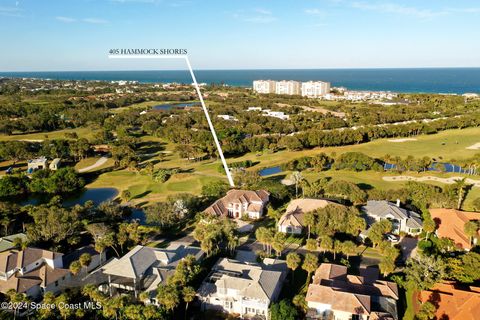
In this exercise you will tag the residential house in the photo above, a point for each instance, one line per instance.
(453, 301)
(245, 288)
(450, 224)
(144, 268)
(55, 164)
(227, 117)
(275, 114)
(7, 242)
(334, 294)
(36, 164)
(97, 259)
(403, 220)
(239, 203)
(32, 271)
(292, 221)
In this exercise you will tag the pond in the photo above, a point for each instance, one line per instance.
(170, 106)
(436, 166)
(270, 171)
(97, 195)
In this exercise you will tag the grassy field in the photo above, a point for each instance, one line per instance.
(195, 174)
(87, 133)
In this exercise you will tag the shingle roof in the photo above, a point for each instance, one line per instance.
(19, 259)
(383, 209)
(296, 209)
(6, 243)
(136, 262)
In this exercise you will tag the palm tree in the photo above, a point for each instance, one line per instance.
(309, 219)
(471, 229)
(461, 187)
(297, 178)
(310, 264)
(293, 262)
(188, 296)
(75, 267)
(85, 260)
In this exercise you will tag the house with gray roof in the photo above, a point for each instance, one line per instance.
(7, 242)
(144, 268)
(243, 287)
(403, 220)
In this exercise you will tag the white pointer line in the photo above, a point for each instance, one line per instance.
(197, 88)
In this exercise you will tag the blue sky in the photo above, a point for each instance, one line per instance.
(236, 34)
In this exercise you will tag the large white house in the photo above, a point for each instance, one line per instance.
(264, 86)
(403, 220)
(289, 87)
(239, 203)
(315, 89)
(245, 288)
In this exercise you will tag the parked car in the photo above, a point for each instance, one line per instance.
(392, 238)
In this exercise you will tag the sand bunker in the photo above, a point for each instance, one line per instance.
(475, 146)
(402, 140)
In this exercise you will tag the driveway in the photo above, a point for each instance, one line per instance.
(409, 247)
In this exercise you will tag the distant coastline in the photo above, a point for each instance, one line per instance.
(411, 80)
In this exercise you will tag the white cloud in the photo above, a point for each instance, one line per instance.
(65, 19)
(94, 21)
(399, 9)
(10, 11)
(261, 16)
(315, 12)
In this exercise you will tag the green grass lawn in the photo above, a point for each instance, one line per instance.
(87, 133)
(196, 174)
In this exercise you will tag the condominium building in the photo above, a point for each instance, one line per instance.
(315, 89)
(264, 86)
(288, 87)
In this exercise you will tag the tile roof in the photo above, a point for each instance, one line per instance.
(455, 302)
(333, 286)
(249, 197)
(450, 224)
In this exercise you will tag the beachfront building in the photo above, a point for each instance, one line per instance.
(315, 89)
(239, 203)
(292, 221)
(334, 294)
(32, 271)
(288, 87)
(403, 220)
(244, 288)
(451, 224)
(144, 268)
(264, 86)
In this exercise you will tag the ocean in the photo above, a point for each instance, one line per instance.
(427, 80)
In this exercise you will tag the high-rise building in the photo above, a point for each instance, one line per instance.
(315, 89)
(264, 86)
(288, 87)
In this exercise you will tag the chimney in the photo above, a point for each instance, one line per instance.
(398, 203)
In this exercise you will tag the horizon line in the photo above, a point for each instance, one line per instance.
(250, 69)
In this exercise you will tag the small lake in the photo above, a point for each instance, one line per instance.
(270, 171)
(170, 106)
(436, 166)
(97, 195)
